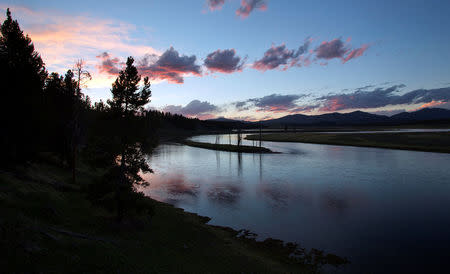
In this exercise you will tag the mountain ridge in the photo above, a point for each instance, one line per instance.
(352, 118)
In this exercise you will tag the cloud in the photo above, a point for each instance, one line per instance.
(337, 49)
(247, 6)
(225, 61)
(329, 50)
(278, 56)
(355, 53)
(381, 97)
(195, 108)
(62, 38)
(169, 66)
(241, 105)
(271, 103)
(378, 100)
(108, 64)
(304, 108)
(432, 104)
(215, 4)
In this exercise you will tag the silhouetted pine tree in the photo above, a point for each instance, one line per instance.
(128, 99)
(22, 77)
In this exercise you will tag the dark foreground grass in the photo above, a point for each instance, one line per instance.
(48, 226)
(225, 147)
(422, 141)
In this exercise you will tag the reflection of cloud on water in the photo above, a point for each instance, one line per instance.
(178, 186)
(342, 200)
(170, 188)
(333, 203)
(278, 195)
(224, 193)
(281, 194)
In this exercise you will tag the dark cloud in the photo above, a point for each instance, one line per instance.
(169, 66)
(108, 64)
(241, 105)
(281, 56)
(195, 108)
(215, 4)
(247, 6)
(337, 49)
(225, 61)
(381, 97)
(272, 103)
(329, 50)
(304, 108)
(367, 97)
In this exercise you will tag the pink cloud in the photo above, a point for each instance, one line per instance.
(215, 4)
(355, 53)
(109, 65)
(247, 6)
(170, 66)
(336, 48)
(61, 38)
(431, 104)
(333, 105)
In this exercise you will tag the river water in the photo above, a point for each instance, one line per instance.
(387, 211)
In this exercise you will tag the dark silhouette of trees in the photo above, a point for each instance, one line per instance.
(81, 77)
(22, 76)
(127, 98)
(127, 102)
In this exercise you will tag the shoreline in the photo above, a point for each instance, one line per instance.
(141, 244)
(229, 148)
(414, 141)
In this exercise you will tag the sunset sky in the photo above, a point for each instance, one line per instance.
(254, 59)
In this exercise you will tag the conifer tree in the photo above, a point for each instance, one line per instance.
(128, 99)
(22, 76)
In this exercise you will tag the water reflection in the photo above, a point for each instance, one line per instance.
(171, 188)
(224, 193)
(239, 162)
(333, 203)
(277, 195)
(353, 201)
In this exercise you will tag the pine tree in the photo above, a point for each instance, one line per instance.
(127, 101)
(127, 98)
(22, 76)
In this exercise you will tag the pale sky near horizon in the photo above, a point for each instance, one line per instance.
(253, 59)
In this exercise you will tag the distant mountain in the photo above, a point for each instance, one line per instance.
(223, 119)
(352, 118)
(425, 114)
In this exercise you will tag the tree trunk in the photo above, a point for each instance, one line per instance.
(121, 185)
(74, 163)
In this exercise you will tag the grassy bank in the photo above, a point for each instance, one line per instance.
(48, 225)
(225, 147)
(422, 141)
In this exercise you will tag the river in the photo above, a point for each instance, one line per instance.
(386, 210)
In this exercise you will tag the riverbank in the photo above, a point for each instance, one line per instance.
(48, 225)
(421, 141)
(225, 147)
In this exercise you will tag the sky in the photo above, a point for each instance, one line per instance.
(253, 59)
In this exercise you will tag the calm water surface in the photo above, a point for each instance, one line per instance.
(388, 211)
